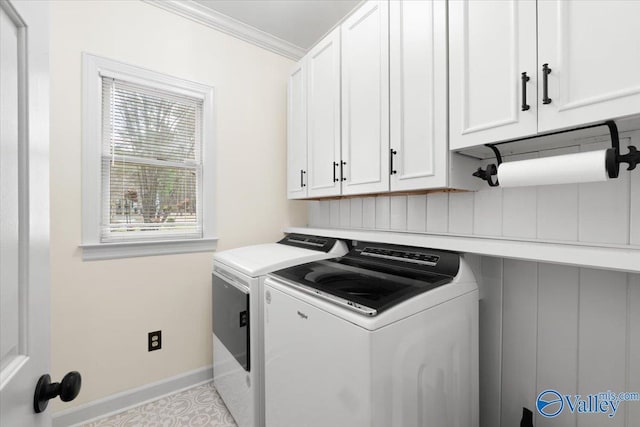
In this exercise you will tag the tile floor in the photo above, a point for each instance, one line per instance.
(197, 406)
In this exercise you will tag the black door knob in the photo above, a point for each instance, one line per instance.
(68, 389)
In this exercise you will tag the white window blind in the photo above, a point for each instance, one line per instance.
(151, 163)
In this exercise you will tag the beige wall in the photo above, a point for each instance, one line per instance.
(102, 310)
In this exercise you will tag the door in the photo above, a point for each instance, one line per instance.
(593, 51)
(365, 99)
(297, 132)
(323, 114)
(491, 44)
(418, 75)
(24, 209)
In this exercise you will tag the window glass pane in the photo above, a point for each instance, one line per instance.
(144, 197)
(151, 163)
(146, 127)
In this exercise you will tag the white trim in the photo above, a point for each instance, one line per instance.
(93, 252)
(93, 67)
(622, 258)
(130, 398)
(218, 21)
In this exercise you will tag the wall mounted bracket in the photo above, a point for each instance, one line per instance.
(491, 170)
(613, 158)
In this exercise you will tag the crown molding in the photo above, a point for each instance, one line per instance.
(218, 21)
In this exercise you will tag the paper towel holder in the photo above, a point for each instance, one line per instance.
(612, 160)
(491, 170)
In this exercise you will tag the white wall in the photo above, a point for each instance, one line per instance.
(541, 325)
(102, 310)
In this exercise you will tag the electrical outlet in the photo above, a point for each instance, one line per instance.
(155, 340)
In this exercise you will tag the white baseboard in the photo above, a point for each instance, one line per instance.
(121, 401)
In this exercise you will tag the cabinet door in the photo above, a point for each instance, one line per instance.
(365, 99)
(323, 91)
(297, 133)
(492, 43)
(418, 76)
(593, 51)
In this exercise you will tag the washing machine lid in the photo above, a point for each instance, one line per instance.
(258, 260)
(373, 277)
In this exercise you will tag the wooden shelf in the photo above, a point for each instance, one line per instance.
(577, 254)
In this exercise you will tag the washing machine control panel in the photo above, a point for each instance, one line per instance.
(397, 255)
(415, 258)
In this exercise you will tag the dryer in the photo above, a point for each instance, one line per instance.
(237, 320)
(384, 336)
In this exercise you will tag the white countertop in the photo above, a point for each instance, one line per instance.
(622, 258)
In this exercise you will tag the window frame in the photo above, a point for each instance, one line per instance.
(93, 69)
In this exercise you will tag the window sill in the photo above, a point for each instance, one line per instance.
(99, 251)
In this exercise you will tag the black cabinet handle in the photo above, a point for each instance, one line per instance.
(393, 153)
(302, 184)
(525, 79)
(335, 164)
(545, 84)
(342, 178)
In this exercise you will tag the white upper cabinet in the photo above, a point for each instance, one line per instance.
(323, 117)
(593, 51)
(418, 76)
(365, 99)
(297, 133)
(582, 59)
(491, 44)
(368, 104)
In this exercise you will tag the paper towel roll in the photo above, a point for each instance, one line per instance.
(565, 169)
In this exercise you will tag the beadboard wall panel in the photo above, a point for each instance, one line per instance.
(345, 213)
(398, 217)
(323, 215)
(633, 338)
(604, 207)
(634, 222)
(461, 213)
(546, 326)
(487, 212)
(356, 213)
(438, 213)
(417, 213)
(490, 332)
(383, 211)
(602, 338)
(368, 212)
(334, 212)
(557, 342)
(519, 333)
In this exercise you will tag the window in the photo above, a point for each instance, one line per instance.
(149, 138)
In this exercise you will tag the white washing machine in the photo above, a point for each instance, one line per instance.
(238, 349)
(386, 336)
